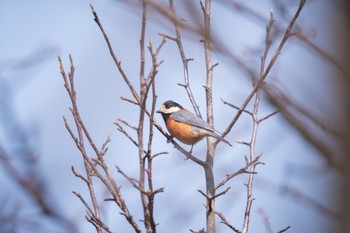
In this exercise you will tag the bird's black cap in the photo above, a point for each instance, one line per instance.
(170, 103)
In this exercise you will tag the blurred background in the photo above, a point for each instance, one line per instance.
(305, 180)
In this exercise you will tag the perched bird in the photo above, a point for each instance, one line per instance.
(186, 126)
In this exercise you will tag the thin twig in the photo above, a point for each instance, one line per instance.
(266, 220)
(254, 116)
(224, 221)
(121, 129)
(160, 153)
(284, 230)
(90, 164)
(243, 170)
(133, 181)
(293, 116)
(235, 107)
(185, 61)
(127, 124)
(114, 57)
(262, 78)
(269, 115)
(79, 175)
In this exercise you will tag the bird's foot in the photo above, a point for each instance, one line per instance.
(170, 139)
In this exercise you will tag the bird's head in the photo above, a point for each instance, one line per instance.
(169, 107)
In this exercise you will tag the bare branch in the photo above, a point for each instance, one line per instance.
(185, 61)
(129, 100)
(133, 181)
(221, 193)
(243, 142)
(160, 153)
(284, 230)
(205, 195)
(127, 124)
(292, 115)
(262, 78)
(266, 220)
(104, 147)
(224, 221)
(79, 175)
(90, 164)
(115, 59)
(296, 194)
(254, 116)
(268, 116)
(121, 129)
(240, 171)
(236, 107)
(199, 231)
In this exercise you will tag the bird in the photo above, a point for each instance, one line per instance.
(185, 125)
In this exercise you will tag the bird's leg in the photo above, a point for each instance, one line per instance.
(190, 152)
(170, 139)
(191, 149)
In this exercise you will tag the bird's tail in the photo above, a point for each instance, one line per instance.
(224, 140)
(220, 138)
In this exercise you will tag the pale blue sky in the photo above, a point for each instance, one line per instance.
(39, 101)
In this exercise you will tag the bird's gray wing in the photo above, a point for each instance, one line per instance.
(190, 118)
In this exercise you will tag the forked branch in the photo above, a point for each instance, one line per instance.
(92, 165)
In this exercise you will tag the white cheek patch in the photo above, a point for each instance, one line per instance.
(165, 110)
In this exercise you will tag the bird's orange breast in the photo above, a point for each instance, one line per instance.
(183, 132)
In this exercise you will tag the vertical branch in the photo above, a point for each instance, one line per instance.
(209, 163)
(256, 122)
(69, 85)
(150, 192)
(252, 168)
(208, 63)
(140, 130)
(92, 165)
(185, 61)
(146, 83)
(150, 159)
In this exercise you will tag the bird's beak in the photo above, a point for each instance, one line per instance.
(161, 109)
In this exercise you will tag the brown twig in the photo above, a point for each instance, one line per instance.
(296, 115)
(249, 12)
(185, 60)
(211, 142)
(90, 215)
(79, 141)
(296, 194)
(252, 167)
(121, 129)
(235, 106)
(146, 84)
(262, 78)
(268, 116)
(32, 186)
(90, 164)
(267, 223)
(255, 128)
(266, 220)
(115, 59)
(224, 221)
(127, 124)
(243, 170)
(133, 181)
(284, 230)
